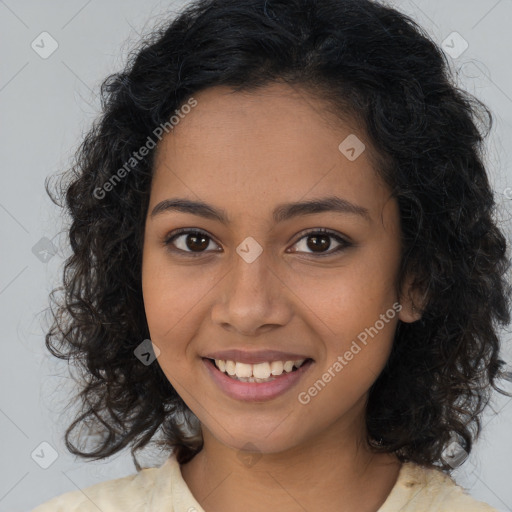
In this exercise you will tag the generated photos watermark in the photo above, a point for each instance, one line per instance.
(143, 151)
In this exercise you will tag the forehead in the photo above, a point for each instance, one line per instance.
(267, 146)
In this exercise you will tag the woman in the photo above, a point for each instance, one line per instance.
(286, 265)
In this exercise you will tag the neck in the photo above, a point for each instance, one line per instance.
(335, 471)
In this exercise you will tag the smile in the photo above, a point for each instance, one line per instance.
(256, 382)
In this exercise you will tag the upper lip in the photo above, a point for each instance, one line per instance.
(257, 356)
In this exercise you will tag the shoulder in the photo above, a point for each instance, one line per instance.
(132, 493)
(422, 489)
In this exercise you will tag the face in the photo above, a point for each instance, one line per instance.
(259, 278)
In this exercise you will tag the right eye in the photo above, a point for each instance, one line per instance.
(193, 242)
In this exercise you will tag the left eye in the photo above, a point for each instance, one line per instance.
(319, 241)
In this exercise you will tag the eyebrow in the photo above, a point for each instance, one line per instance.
(281, 213)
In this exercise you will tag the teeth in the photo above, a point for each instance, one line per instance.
(243, 370)
(260, 372)
(230, 367)
(276, 367)
(288, 366)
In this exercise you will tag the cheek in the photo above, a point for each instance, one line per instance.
(175, 301)
(166, 307)
(166, 296)
(352, 364)
(349, 298)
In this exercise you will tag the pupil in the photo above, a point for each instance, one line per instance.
(316, 244)
(197, 242)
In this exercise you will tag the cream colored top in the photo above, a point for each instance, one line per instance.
(163, 489)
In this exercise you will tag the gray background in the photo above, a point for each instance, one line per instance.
(46, 106)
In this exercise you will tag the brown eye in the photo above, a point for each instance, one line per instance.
(189, 241)
(196, 242)
(320, 241)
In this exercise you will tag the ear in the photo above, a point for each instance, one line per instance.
(412, 301)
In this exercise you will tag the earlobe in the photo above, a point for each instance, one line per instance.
(412, 303)
(409, 313)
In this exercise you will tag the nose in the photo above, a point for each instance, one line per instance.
(252, 298)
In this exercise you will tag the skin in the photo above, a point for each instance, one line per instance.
(245, 153)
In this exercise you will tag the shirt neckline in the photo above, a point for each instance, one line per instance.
(172, 487)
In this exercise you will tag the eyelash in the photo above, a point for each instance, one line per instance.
(344, 244)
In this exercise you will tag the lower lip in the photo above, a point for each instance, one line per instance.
(256, 391)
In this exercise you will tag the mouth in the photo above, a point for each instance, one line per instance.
(261, 381)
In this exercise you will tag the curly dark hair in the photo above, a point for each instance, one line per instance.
(368, 61)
